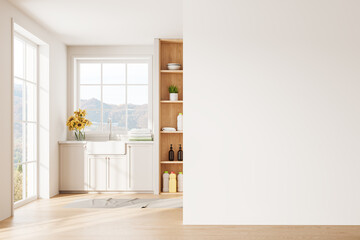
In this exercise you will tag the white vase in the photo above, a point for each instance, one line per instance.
(173, 96)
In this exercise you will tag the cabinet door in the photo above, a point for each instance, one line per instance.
(73, 173)
(97, 173)
(117, 173)
(140, 167)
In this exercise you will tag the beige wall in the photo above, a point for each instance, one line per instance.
(57, 100)
(272, 112)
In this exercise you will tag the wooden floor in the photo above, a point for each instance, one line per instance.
(48, 219)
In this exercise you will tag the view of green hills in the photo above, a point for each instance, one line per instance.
(137, 114)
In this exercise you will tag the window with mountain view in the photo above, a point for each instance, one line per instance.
(25, 119)
(116, 90)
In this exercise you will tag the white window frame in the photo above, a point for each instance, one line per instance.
(36, 122)
(122, 60)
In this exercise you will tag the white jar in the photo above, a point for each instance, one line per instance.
(174, 96)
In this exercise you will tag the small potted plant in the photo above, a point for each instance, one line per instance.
(173, 90)
(77, 123)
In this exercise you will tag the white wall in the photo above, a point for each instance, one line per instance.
(57, 100)
(272, 116)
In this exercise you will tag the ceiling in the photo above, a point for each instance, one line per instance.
(106, 22)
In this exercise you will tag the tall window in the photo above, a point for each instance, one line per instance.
(25, 119)
(116, 90)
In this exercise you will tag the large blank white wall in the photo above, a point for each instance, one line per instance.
(57, 88)
(272, 112)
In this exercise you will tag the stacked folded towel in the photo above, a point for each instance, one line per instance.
(168, 129)
(140, 135)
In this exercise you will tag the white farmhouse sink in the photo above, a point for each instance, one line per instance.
(106, 147)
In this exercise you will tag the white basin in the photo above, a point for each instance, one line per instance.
(106, 147)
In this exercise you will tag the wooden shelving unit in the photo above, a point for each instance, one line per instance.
(167, 101)
(170, 51)
(166, 193)
(171, 132)
(171, 71)
(171, 162)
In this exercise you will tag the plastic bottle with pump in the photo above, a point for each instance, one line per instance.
(180, 122)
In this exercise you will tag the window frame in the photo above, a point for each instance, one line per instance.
(35, 83)
(120, 60)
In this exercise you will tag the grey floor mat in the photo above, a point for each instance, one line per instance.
(126, 203)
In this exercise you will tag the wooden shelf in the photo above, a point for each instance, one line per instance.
(171, 71)
(169, 40)
(172, 132)
(167, 193)
(171, 162)
(167, 101)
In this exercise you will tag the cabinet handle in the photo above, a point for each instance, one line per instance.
(108, 172)
(129, 167)
(89, 173)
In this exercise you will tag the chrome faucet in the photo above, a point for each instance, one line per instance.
(110, 128)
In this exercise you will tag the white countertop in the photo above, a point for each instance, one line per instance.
(84, 142)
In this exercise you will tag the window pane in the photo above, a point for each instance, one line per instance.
(18, 99)
(18, 182)
(19, 49)
(137, 107)
(113, 95)
(30, 179)
(90, 97)
(95, 117)
(18, 142)
(30, 63)
(31, 142)
(114, 106)
(113, 73)
(90, 73)
(118, 118)
(137, 95)
(31, 102)
(137, 73)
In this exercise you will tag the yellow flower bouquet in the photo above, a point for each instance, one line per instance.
(77, 123)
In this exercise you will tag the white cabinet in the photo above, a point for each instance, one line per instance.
(97, 173)
(73, 166)
(140, 167)
(117, 173)
(108, 173)
(86, 166)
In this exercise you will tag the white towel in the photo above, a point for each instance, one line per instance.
(168, 129)
(142, 130)
(140, 135)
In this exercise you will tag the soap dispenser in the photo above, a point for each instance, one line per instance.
(180, 154)
(171, 153)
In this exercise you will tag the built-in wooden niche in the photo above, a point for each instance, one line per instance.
(169, 113)
(166, 140)
(168, 79)
(171, 51)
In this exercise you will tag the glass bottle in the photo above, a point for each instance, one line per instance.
(180, 154)
(171, 153)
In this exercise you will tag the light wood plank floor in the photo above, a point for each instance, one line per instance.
(48, 219)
